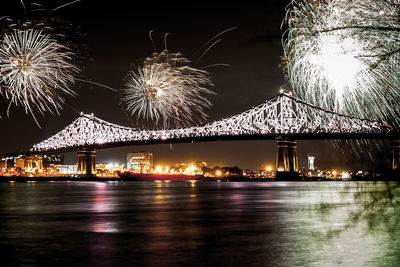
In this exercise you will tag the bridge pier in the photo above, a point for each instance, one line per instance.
(87, 162)
(396, 157)
(286, 163)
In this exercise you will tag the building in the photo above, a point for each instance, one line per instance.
(34, 164)
(311, 160)
(66, 169)
(8, 162)
(20, 164)
(23, 163)
(52, 159)
(140, 162)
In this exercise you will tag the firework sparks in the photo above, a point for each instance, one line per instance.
(345, 56)
(165, 89)
(35, 70)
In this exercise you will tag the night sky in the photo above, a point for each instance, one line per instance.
(110, 36)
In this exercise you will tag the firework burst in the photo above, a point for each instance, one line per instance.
(35, 70)
(166, 90)
(345, 56)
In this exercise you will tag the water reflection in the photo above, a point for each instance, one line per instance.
(200, 224)
(350, 224)
(102, 206)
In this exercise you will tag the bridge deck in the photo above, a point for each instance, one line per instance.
(281, 117)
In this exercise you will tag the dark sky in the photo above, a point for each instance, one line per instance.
(112, 35)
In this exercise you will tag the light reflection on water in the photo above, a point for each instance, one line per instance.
(199, 224)
(102, 205)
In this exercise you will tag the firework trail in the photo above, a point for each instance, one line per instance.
(166, 90)
(344, 55)
(35, 70)
(35, 6)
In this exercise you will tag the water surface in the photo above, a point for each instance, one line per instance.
(200, 224)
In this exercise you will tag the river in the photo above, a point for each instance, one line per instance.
(200, 224)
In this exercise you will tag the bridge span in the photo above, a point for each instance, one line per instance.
(283, 118)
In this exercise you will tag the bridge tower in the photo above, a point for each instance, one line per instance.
(286, 162)
(87, 162)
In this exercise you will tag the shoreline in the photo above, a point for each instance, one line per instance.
(205, 179)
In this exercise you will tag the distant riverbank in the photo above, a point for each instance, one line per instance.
(205, 179)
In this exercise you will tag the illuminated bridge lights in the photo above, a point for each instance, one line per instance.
(280, 116)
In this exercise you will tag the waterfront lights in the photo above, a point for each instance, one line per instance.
(345, 175)
(159, 169)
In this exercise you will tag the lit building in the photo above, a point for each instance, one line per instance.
(53, 159)
(311, 160)
(34, 164)
(20, 163)
(140, 162)
(66, 169)
(10, 161)
(101, 168)
(23, 163)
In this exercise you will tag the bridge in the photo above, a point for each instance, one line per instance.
(283, 118)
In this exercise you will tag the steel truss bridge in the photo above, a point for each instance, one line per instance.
(279, 118)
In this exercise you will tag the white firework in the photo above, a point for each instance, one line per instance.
(35, 70)
(167, 91)
(344, 55)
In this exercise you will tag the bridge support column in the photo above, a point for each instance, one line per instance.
(286, 164)
(396, 157)
(87, 162)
